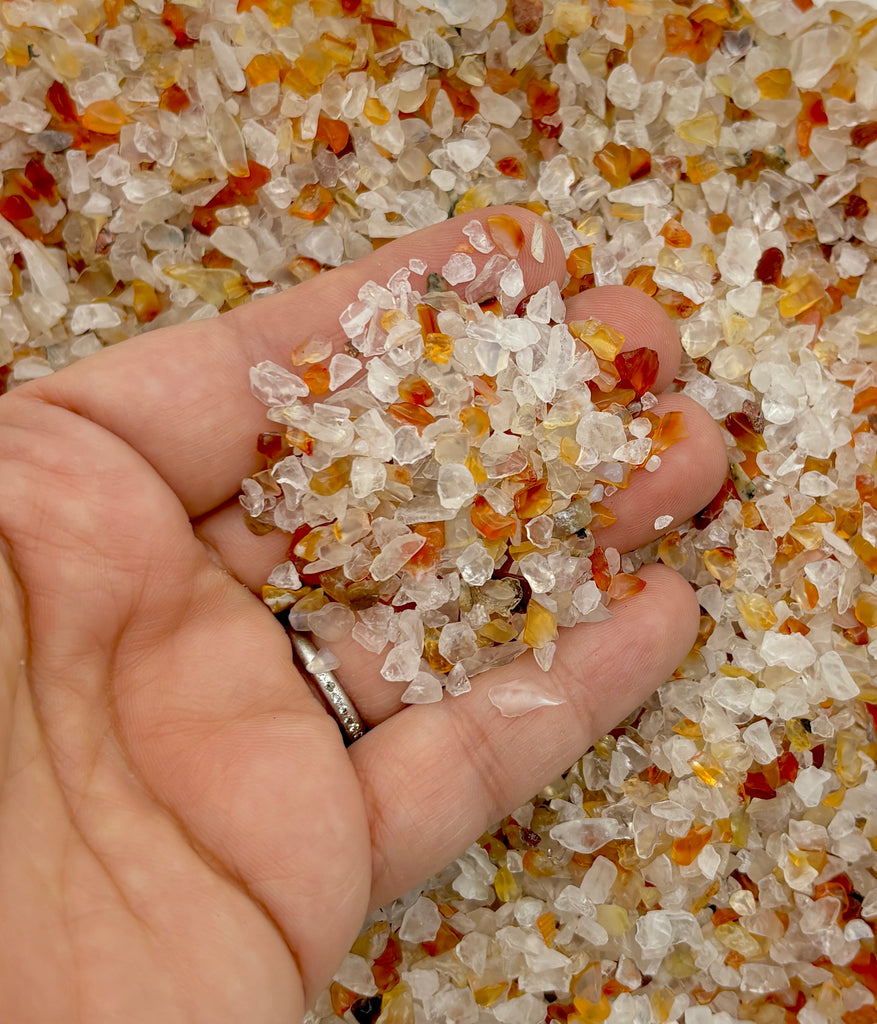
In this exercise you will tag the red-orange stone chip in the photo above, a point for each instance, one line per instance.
(506, 232)
(543, 98)
(685, 849)
(527, 15)
(671, 429)
(511, 167)
(40, 182)
(174, 98)
(145, 300)
(864, 134)
(408, 412)
(769, 269)
(624, 585)
(105, 117)
(489, 523)
(334, 133)
(639, 368)
(416, 390)
(317, 379)
(533, 500)
(428, 556)
(313, 203)
(172, 18)
(600, 569)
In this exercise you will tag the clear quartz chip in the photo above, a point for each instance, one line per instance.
(519, 697)
(274, 385)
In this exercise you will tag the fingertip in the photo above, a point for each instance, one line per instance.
(691, 472)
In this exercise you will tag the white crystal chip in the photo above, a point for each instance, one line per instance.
(519, 697)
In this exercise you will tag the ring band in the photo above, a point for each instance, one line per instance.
(326, 684)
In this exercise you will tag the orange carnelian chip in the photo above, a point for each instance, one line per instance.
(542, 97)
(427, 317)
(331, 479)
(269, 444)
(104, 116)
(263, 68)
(384, 967)
(428, 556)
(617, 397)
(578, 263)
(675, 234)
(864, 134)
(506, 233)
(239, 190)
(38, 183)
(639, 368)
(527, 15)
(812, 115)
(613, 164)
(769, 268)
(722, 565)
(342, 998)
(416, 390)
(375, 111)
(446, 938)
(865, 609)
(600, 569)
(699, 169)
(146, 303)
(408, 412)
(334, 133)
(793, 625)
(489, 523)
(313, 203)
(438, 347)
(624, 585)
(475, 421)
(602, 516)
(464, 103)
(684, 849)
(533, 500)
(316, 377)
(511, 167)
(740, 427)
(14, 208)
(174, 99)
(540, 625)
(172, 18)
(774, 84)
(671, 429)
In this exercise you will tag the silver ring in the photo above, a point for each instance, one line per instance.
(326, 684)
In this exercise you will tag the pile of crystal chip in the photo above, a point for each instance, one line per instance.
(442, 478)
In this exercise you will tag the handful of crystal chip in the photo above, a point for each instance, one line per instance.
(442, 479)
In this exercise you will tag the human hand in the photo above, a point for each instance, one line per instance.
(183, 835)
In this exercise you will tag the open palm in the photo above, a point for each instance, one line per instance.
(183, 835)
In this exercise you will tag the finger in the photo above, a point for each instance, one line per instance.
(181, 396)
(436, 776)
(640, 319)
(691, 471)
